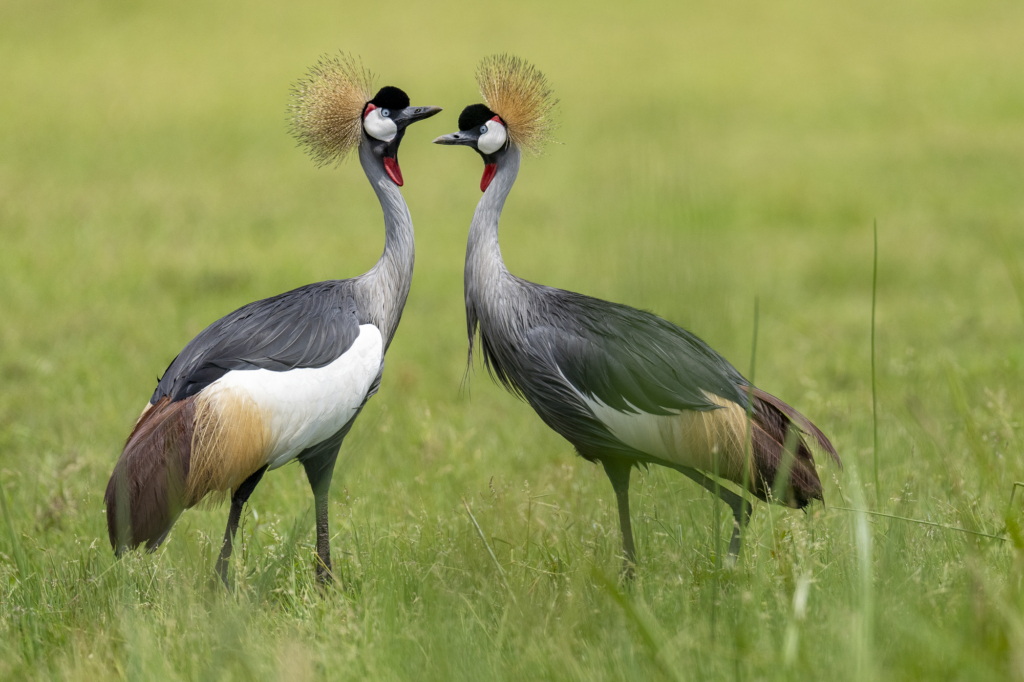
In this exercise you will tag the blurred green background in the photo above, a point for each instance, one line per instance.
(710, 153)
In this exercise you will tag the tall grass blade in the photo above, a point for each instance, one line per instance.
(748, 444)
(717, 531)
(923, 522)
(647, 629)
(963, 410)
(799, 613)
(874, 384)
(19, 556)
(1013, 491)
(1016, 279)
(864, 632)
(781, 484)
(1012, 525)
(483, 539)
(21, 562)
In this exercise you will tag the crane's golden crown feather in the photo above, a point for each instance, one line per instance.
(327, 107)
(519, 93)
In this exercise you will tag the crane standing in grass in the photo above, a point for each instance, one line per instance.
(624, 386)
(283, 378)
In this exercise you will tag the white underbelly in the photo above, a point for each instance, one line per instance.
(302, 407)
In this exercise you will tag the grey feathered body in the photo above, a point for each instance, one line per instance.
(564, 352)
(308, 327)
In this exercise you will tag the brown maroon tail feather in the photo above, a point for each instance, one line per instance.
(801, 422)
(802, 484)
(773, 421)
(146, 491)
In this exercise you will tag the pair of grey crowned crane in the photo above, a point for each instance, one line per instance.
(285, 378)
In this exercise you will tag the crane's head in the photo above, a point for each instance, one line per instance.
(385, 118)
(332, 112)
(484, 131)
(517, 112)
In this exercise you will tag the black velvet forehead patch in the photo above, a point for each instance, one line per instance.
(390, 97)
(474, 115)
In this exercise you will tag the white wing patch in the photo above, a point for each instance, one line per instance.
(305, 406)
(700, 440)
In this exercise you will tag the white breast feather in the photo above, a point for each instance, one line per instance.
(308, 405)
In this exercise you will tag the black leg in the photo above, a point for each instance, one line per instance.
(319, 471)
(741, 509)
(618, 473)
(238, 499)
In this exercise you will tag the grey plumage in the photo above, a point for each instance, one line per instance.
(586, 366)
(308, 328)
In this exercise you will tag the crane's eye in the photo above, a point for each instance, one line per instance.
(385, 113)
(483, 130)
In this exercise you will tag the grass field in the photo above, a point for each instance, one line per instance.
(713, 153)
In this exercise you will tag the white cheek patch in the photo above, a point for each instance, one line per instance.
(379, 127)
(494, 139)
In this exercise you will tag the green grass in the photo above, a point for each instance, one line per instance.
(713, 153)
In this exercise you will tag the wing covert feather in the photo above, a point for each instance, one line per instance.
(633, 360)
(307, 327)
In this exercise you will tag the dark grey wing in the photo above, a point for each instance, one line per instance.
(307, 327)
(633, 360)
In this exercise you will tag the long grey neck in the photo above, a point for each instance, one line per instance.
(485, 270)
(385, 287)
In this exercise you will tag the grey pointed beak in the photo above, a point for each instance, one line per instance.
(461, 137)
(410, 115)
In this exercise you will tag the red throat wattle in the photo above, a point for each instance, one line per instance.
(394, 172)
(489, 171)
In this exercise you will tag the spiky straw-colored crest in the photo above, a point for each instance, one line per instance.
(517, 92)
(327, 107)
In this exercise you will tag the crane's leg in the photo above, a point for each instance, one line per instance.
(741, 509)
(238, 499)
(618, 472)
(319, 471)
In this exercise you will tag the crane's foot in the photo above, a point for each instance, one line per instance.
(324, 574)
(224, 559)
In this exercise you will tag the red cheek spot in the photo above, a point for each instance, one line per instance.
(498, 120)
(369, 107)
(489, 171)
(394, 172)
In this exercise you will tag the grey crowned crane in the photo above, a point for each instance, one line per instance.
(624, 386)
(283, 378)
